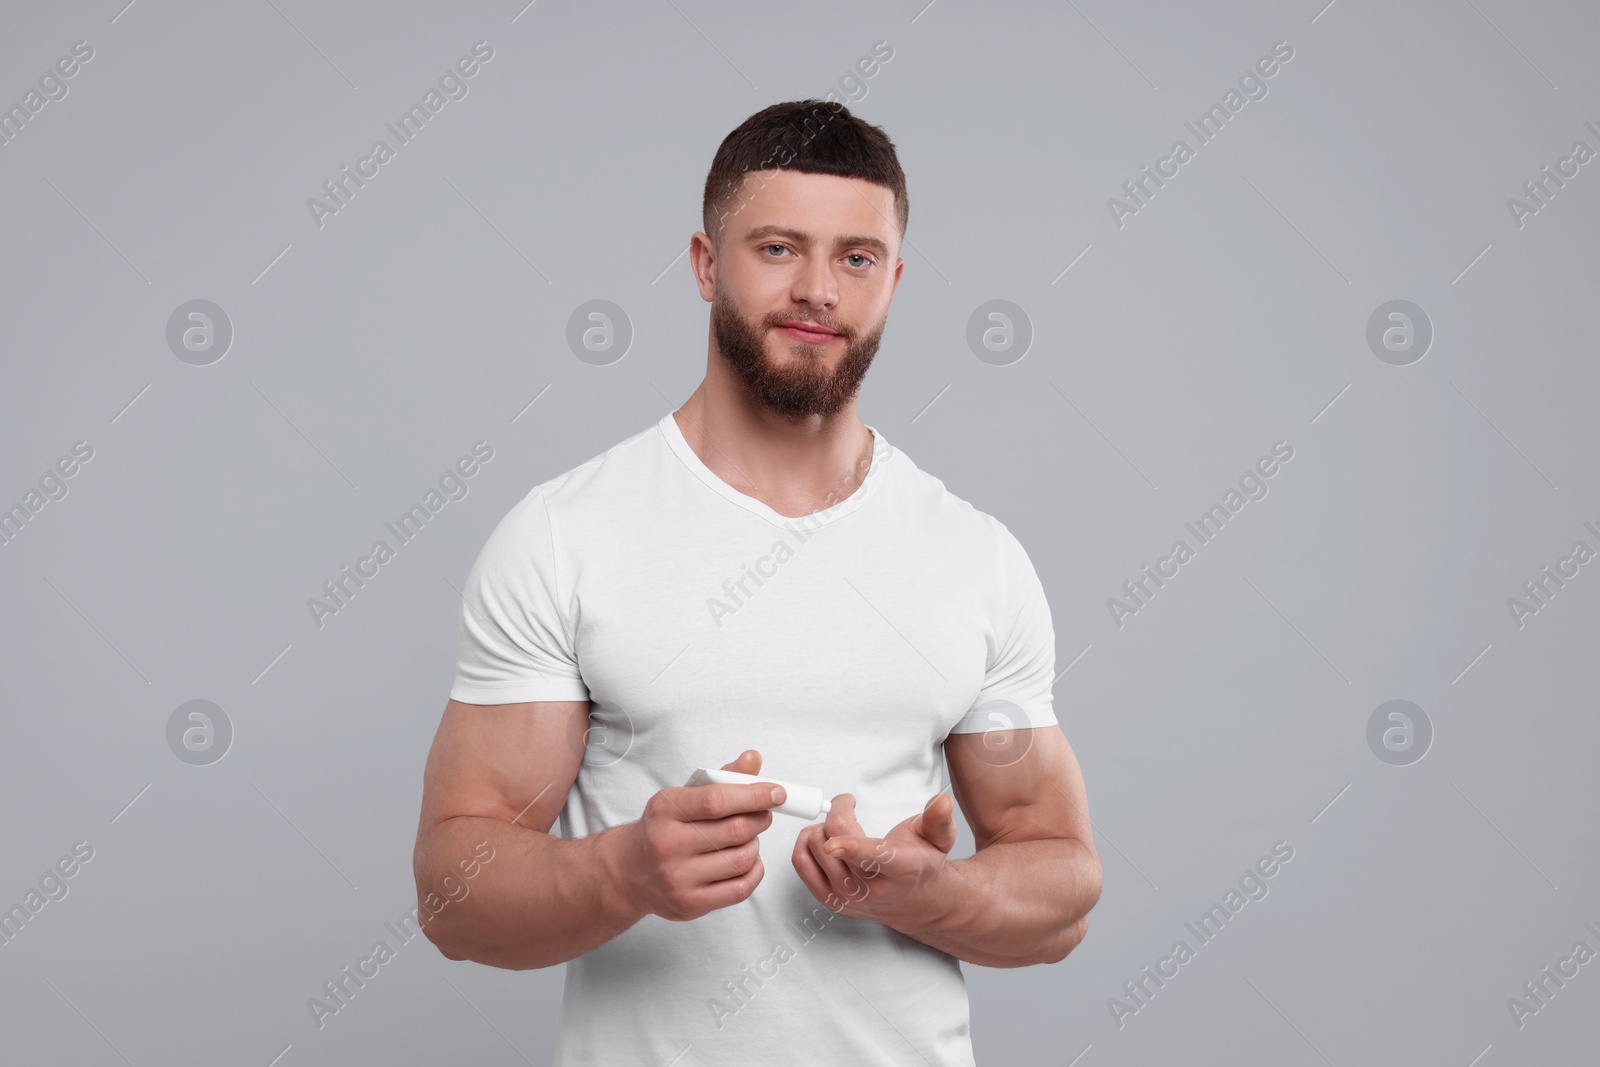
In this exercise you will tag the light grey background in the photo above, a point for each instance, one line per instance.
(1228, 314)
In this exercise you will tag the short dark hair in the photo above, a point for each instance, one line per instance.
(811, 136)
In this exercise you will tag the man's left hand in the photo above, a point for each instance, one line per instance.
(899, 880)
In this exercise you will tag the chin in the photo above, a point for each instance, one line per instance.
(791, 352)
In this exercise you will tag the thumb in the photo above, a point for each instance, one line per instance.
(937, 823)
(747, 762)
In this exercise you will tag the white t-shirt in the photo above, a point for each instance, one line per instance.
(843, 646)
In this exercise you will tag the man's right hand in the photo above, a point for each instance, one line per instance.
(695, 849)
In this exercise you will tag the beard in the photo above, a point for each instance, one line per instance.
(803, 386)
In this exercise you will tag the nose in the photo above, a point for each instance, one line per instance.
(816, 285)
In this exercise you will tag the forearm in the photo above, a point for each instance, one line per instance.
(541, 901)
(1013, 904)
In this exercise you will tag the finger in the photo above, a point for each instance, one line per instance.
(833, 868)
(693, 803)
(842, 817)
(705, 868)
(708, 835)
(811, 873)
(730, 891)
(854, 850)
(937, 823)
(747, 762)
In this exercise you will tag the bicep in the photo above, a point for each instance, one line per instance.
(1027, 788)
(514, 762)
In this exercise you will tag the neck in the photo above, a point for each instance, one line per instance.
(794, 466)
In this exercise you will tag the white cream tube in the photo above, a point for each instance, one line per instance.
(801, 801)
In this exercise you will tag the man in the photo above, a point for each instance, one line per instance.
(761, 570)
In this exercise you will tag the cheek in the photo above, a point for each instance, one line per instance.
(754, 293)
(864, 318)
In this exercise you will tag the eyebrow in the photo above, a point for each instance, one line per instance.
(800, 237)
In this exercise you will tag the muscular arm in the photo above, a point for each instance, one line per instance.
(1024, 896)
(498, 776)
(500, 773)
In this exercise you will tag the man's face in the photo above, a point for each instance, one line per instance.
(800, 287)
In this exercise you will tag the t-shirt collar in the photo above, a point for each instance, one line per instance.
(881, 452)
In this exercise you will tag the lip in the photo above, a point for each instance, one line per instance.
(809, 332)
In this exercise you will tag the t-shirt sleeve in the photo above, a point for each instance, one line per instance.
(1021, 666)
(515, 640)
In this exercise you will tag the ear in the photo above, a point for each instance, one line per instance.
(703, 261)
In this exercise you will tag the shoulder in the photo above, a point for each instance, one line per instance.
(928, 502)
(604, 482)
(594, 494)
